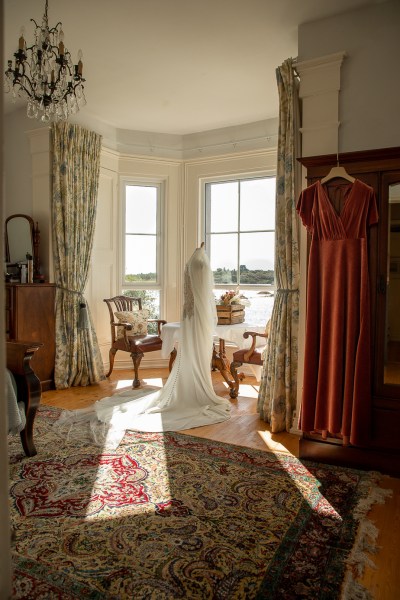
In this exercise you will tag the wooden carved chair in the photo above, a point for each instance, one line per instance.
(28, 387)
(250, 356)
(129, 331)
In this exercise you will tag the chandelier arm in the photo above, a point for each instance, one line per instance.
(54, 29)
(19, 77)
(22, 86)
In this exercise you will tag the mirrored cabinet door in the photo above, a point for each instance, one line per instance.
(388, 318)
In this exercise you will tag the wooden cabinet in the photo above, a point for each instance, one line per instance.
(30, 317)
(381, 170)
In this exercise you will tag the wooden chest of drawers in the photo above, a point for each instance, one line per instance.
(30, 317)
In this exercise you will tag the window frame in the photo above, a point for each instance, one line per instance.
(206, 233)
(158, 285)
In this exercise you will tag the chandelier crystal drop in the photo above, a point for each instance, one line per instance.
(45, 75)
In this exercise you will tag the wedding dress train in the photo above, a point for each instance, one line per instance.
(187, 399)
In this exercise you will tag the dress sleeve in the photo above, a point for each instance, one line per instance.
(372, 211)
(305, 209)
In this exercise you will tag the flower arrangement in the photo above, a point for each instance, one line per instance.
(233, 297)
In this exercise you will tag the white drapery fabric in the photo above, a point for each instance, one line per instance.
(278, 388)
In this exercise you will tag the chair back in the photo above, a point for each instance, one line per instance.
(119, 304)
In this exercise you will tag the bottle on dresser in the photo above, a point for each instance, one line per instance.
(23, 273)
(30, 268)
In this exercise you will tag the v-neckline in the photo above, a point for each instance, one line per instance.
(328, 200)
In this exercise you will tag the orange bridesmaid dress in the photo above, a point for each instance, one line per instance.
(336, 397)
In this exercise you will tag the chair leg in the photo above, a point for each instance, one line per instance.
(136, 358)
(112, 354)
(238, 377)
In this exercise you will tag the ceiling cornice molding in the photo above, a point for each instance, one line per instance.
(203, 160)
(218, 142)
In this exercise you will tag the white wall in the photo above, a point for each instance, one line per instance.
(370, 86)
(17, 164)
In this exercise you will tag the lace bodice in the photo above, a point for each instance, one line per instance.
(188, 298)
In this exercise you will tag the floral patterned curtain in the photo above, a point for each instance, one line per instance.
(76, 167)
(278, 388)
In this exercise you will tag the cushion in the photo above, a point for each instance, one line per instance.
(138, 320)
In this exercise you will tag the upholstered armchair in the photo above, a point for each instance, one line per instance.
(129, 331)
(251, 356)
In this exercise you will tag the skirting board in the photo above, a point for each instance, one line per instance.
(126, 364)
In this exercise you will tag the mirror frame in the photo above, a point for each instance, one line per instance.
(35, 237)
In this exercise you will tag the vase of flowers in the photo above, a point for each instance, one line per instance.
(230, 307)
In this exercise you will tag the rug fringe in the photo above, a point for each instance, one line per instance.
(355, 591)
(365, 542)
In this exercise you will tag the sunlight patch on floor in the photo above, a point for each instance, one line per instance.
(153, 381)
(123, 383)
(310, 488)
(272, 444)
(245, 390)
(127, 383)
(250, 391)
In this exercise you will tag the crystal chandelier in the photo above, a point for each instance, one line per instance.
(45, 75)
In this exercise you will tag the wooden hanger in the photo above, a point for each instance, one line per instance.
(338, 172)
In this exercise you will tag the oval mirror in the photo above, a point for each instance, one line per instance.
(21, 238)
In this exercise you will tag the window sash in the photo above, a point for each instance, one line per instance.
(209, 232)
(155, 284)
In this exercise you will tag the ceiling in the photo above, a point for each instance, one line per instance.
(175, 66)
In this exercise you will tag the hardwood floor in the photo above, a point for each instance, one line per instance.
(245, 428)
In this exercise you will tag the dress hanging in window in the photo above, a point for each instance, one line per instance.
(337, 371)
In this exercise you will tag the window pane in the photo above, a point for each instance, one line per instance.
(257, 252)
(141, 258)
(242, 250)
(257, 204)
(261, 303)
(141, 209)
(223, 252)
(224, 206)
(260, 309)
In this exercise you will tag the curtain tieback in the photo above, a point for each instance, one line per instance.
(286, 290)
(64, 289)
(83, 319)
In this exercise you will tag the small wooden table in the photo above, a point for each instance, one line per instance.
(170, 334)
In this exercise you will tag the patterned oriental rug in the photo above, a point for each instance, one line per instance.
(170, 516)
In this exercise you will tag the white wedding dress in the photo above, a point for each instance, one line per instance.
(187, 399)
